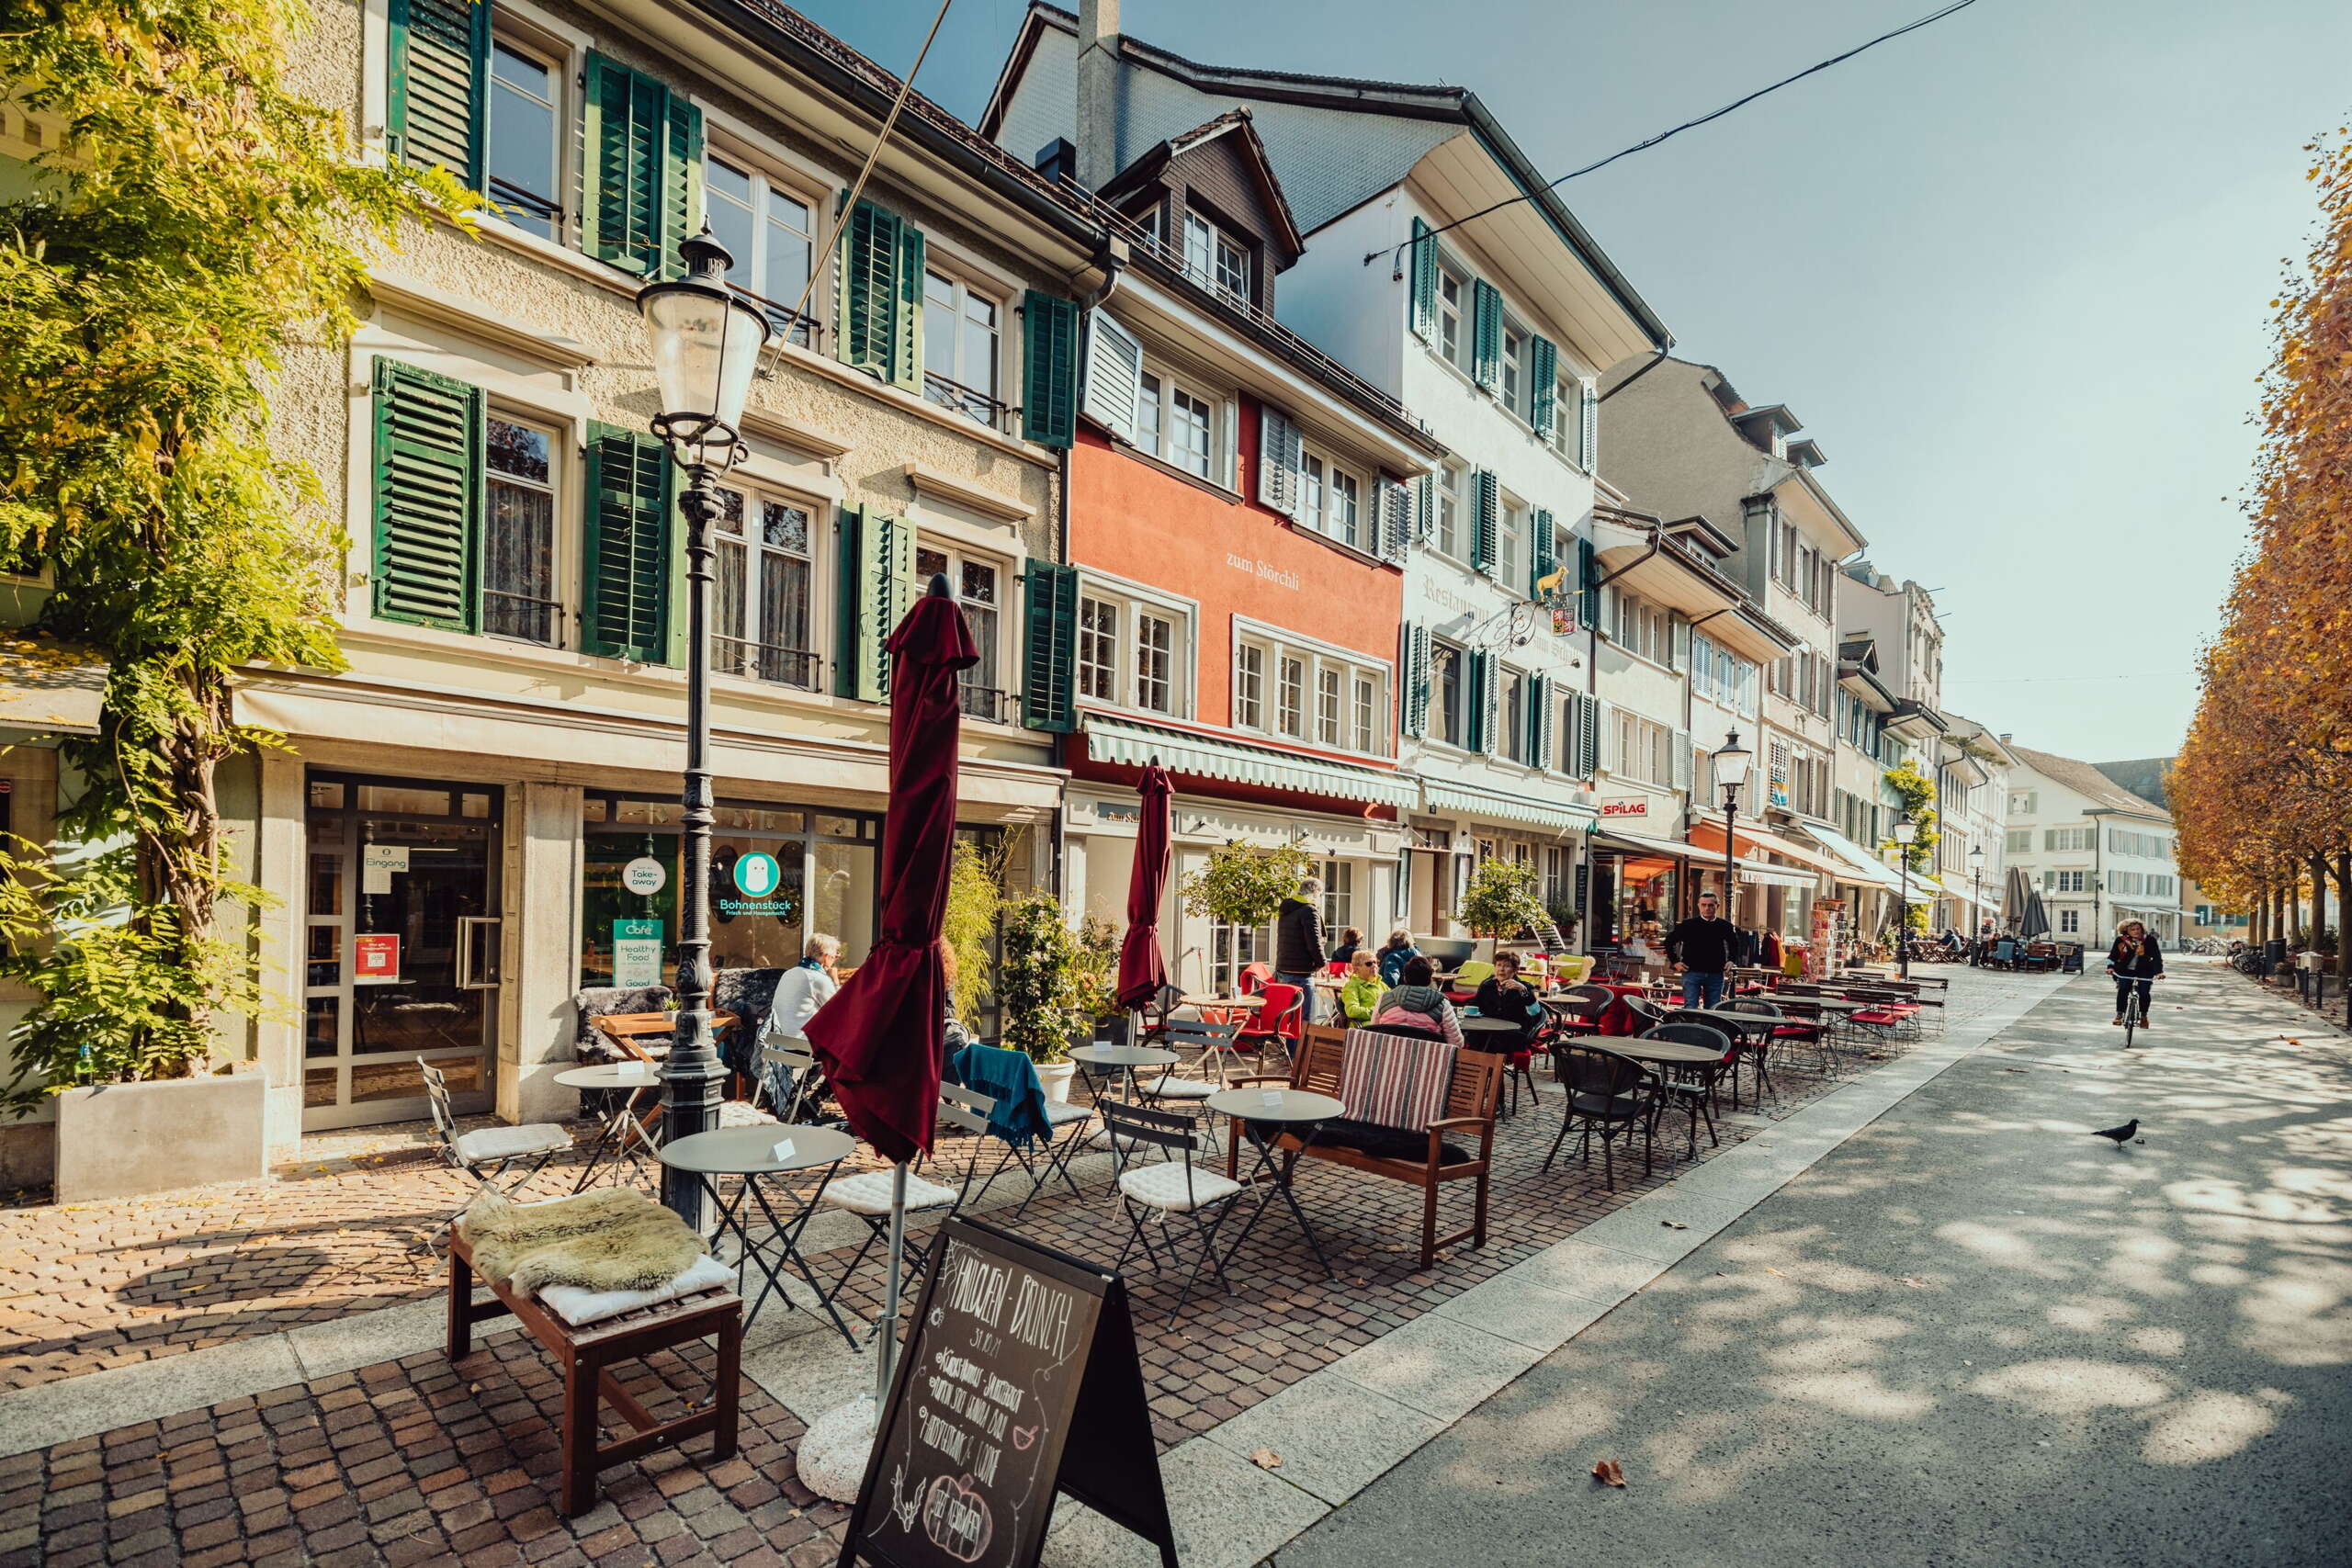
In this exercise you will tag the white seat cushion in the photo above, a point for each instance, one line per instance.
(488, 1144)
(1161, 1185)
(743, 1113)
(1178, 1088)
(1061, 1113)
(868, 1192)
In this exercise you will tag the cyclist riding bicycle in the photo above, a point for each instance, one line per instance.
(2134, 960)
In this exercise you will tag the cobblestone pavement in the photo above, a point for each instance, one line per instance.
(448, 1454)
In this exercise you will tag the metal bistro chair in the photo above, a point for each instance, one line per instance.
(1692, 1089)
(868, 1194)
(486, 1153)
(1609, 1094)
(791, 1086)
(1152, 1191)
(1578, 1010)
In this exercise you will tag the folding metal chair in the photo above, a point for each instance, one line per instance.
(868, 1194)
(1155, 1191)
(486, 1153)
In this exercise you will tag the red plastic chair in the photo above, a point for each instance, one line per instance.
(1337, 968)
(1254, 977)
(1277, 1022)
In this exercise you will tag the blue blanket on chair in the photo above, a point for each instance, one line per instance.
(1010, 1079)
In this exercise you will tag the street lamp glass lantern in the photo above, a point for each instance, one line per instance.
(1907, 832)
(1731, 763)
(1977, 858)
(706, 344)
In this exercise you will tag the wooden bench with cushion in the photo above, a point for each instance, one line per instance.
(586, 1355)
(1426, 1159)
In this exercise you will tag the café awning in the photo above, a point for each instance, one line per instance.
(1468, 801)
(1205, 756)
(1748, 870)
(1748, 840)
(1859, 864)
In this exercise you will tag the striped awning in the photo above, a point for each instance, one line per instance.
(1466, 800)
(1204, 756)
(1863, 866)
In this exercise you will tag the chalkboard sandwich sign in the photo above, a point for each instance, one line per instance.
(1019, 1379)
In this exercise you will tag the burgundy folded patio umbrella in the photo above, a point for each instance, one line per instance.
(880, 1036)
(1141, 969)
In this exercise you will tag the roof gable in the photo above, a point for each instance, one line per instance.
(2087, 781)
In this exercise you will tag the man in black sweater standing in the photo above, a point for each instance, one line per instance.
(1701, 951)
(1298, 945)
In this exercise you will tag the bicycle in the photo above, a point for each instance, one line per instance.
(2132, 1004)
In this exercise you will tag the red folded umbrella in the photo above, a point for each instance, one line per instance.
(1141, 970)
(881, 1036)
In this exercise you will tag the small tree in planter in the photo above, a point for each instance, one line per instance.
(1036, 980)
(1243, 884)
(1499, 899)
(975, 900)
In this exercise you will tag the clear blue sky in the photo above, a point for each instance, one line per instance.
(2012, 271)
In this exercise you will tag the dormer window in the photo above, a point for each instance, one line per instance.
(1214, 258)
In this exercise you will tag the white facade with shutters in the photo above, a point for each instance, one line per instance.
(2101, 854)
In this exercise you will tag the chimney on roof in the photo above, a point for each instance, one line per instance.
(2006, 737)
(1098, 92)
(1057, 160)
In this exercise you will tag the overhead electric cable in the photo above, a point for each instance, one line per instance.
(1399, 251)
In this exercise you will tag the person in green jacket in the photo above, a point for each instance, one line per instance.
(1361, 995)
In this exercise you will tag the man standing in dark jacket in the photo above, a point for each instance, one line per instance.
(1701, 951)
(1298, 944)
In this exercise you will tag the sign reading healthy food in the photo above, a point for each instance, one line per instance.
(1019, 1379)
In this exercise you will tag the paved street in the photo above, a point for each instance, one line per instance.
(1971, 1334)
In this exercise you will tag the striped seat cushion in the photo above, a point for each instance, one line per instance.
(1391, 1081)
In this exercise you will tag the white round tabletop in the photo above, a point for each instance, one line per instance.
(611, 1075)
(1490, 1026)
(768, 1150)
(1276, 1104)
(1123, 1055)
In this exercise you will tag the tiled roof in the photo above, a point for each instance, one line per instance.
(2085, 780)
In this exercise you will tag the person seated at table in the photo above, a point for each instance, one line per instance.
(1350, 940)
(1398, 951)
(1360, 997)
(1415, 1000)
(805, 989)
(1504, 995)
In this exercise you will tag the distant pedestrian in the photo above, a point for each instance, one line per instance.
(1298, 945)
(1350, 940)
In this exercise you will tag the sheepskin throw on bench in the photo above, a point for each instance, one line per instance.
(614, 1239)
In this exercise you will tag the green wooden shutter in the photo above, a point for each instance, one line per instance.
(1481, 726)
(1049, 673)
(877, 589)
(1425, 509)
(881, 317)
(1417, 681)
(1486, 334)
(1544, 370)
(1538, 721)
(1588, 583)
(1049, 370)
(1588, 425)
(629, 537)
(1539, 560)
(428, 503)
(1486, 519)
(642, 195)
(438, 103)
(1424, 265)
(1587, 736)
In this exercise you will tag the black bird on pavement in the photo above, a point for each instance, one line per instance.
(2122, 1134)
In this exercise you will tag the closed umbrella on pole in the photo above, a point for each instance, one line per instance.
(2037, 919)
(1142, 970)
(881, 1036)
(2015, 893)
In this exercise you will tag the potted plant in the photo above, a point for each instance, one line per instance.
(1499, 899)
(975, 902)
(1243, 883)
(1095, 984)
(1037, 987)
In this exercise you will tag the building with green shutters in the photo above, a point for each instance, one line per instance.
(478, 819)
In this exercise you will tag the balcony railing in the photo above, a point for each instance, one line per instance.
(523, 616)
(977, 406)
(774, 663)
(988, 703)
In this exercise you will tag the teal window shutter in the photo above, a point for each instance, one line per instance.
(1480, 736)
(1538, 721)
(880, 314)
(1425, 508)
(1424, 274)
(1539, 560)
(1417, 681)
(1049, 370)
(877, 589)
(1588, 584)
(1588, 425)
(428, 497)
(1486, 335)
(643, 194)
(631, 502)
(438, 109)
(1544, 372)
(1049, 673)
(1486, 519)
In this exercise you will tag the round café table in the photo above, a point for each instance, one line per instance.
(1475, 1032)
(1208, 1003)
(623, 1137)
(1124, 1060)
(760, 1154)
(1264, 1115)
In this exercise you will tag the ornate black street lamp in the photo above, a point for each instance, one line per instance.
(1731, 772)
(706, 345)
(1976, 905)
(1906, 833)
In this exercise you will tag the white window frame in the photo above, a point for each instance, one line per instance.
(1158, 385)
(1511, 714)
(1132, 601)
(767, 183)
(1511, 378)
(518, 36)
(1456, 316)
(1511, 543)
(1318, 661)
(1322, 479)
(757, 492)
(989, 674)
(962, 287)
(1452, 488)
(563, 608)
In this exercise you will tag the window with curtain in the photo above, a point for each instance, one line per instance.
(519, 583)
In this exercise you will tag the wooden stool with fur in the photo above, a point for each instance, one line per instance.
(614, 1239)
